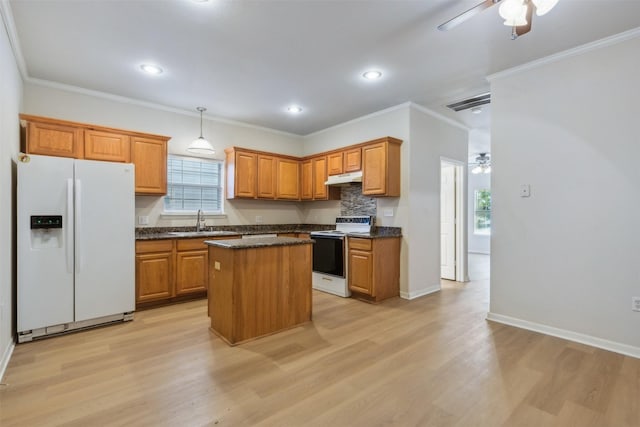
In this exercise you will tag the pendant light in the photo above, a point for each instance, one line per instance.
(201, 145)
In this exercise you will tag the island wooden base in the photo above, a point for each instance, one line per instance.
(256, 292)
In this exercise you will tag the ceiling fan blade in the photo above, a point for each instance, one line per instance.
(467, 14)
(524, 29)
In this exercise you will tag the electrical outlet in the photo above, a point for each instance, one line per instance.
(258, 219)
(143, 220)
(388, 212)
(635, 303)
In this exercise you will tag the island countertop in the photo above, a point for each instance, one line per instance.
(260, 242)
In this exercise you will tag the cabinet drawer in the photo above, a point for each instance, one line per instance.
(191, 244)
(148, 246)
(362, 244)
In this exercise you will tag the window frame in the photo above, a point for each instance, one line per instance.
(175, 213)
(483, 231)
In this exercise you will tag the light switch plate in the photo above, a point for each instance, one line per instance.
(388, 212)
(258, 219)
(216, 265)
(525, 190)
(635, 303)
(143, 220)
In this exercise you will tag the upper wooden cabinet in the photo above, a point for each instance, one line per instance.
(319, 170)
(53, 137)
(335, 162)
(381, 167)
(306, 180)
(150, 157)
(287, 179)
(266, 177)
(353, 159)
(241, 176)
(108, 146)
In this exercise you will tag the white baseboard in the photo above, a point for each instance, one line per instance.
(4, 362)
(419, 293)
(616, 347)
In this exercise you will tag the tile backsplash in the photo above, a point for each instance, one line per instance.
(352, 202)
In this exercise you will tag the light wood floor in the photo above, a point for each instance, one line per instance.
(434, 361)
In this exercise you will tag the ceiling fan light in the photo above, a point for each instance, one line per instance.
(487, 169)
(476, 170)
(544, 6)
(514, 12)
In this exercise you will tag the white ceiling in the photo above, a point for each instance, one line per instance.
(248, 60)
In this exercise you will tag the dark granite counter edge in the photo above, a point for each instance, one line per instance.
(258, 243)
(157, 233)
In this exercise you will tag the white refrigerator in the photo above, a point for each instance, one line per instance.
(75, 244)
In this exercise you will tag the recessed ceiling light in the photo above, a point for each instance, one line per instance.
(476, 110)
(372, 74)
(294, 109)
(151, 69)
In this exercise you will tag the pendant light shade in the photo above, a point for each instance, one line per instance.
(514, 12)
(201, 145)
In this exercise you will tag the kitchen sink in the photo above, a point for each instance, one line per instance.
(201, 233)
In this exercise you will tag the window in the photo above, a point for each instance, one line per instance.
(482, 215)
(193, 184)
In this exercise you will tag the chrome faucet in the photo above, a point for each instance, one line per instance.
(199, 221)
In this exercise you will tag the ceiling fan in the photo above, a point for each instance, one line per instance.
(517, 14)
(482, 164)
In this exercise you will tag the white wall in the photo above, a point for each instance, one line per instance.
(478, 243)
(568, 256)
(10, 104)
(182, 127)
(432, 139)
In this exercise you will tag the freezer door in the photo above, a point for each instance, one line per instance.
(105, 239)
(44, 255)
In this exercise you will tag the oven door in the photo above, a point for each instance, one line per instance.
(328, 255)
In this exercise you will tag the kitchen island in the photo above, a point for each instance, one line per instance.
(258, 286)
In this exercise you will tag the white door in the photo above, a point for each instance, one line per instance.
(105, 239)
(448, 222)
(44, 255)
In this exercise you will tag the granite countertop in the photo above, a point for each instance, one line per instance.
(157, 233)
(258, 242)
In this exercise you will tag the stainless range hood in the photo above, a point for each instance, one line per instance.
(344, 178)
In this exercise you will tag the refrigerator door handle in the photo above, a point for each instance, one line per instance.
(69, 226)
(78, 218)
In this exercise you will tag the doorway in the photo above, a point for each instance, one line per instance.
(453, 254)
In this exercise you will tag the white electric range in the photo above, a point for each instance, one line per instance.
(330, 254)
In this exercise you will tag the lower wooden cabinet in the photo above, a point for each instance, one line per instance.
(374, 268)
(154, 270)
(171, 270)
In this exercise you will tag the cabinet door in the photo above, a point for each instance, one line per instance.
(266, 177)
(306, 190)
(288, 179)
(374, 159)
(154, 276)
(150, 157)
(192, 271)
(335, 164)
(245, 174)
(361, 272)
(107, 146)
(54, 140)
(319, 177)
(353, 160)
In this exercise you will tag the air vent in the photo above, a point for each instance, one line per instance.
(476, 101)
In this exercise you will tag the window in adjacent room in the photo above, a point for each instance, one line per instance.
(482, 214)
(193, 184)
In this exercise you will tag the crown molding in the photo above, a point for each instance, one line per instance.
(10, 29)
(439, 116)
(150, 105)
(359, 119)
(598, 44)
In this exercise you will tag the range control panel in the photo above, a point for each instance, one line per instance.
(46, 221)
